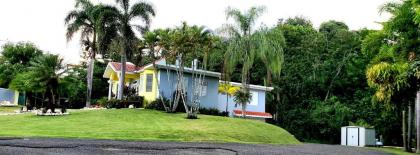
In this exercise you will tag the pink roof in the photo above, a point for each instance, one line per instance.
(128, 67)
(253, 114)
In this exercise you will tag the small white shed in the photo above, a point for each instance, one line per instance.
(357, 136)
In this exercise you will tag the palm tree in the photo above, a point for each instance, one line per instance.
(121, 17)
(245, 45)
(228, 90)
(403, 31)
(46, 71)
(84, 20)
(242, 97)
(181, 43)
(269, 44)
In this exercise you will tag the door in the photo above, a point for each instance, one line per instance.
(353, 136)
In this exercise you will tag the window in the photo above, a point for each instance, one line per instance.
(203, 88)
(149, 82)
(254, 99)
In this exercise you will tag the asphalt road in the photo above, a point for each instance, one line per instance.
(43, 146)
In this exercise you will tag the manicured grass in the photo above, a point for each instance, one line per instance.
(141, 124)
(9, 109)
(396, 151)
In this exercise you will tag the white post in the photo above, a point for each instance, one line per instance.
(109, 89)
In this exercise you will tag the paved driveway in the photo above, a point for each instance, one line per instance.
(41, 146)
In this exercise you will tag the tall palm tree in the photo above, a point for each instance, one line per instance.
(240, 48)
(245, 45)
(83, 19)
(121, 17)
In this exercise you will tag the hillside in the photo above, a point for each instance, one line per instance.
(140, 124)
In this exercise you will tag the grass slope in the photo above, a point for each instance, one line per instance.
(140, 124)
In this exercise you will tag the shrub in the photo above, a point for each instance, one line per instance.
(212, 111)
(137, 102)
(114, 103)
(157, 104)
(101, 101)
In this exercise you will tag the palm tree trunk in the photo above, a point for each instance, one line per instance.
(268, 77)
(243, 110)
(89, 81)
(52, 102)
(227, 104)
(122, 76)
(404, 130)
(418, 121)
(409, 126)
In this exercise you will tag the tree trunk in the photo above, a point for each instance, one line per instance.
(404, 130)
(243, 110)
(268, 77)
(227, 104)
(409, 126)
(122, 76)
(91, 64)
(418, 121)
(52, 102)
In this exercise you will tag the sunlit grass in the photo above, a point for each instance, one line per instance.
(141, 124)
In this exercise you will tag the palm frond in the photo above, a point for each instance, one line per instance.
(124, 4)
(84, 4)
(390, 7)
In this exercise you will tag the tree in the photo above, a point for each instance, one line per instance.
(15, 59)
(228, 90)
(245, 46)
(390, 73)
(121, 17)
(242, 97)
(43, 76)
(84, 20)
(152, 43)
(180, 44)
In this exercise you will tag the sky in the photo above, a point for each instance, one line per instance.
(42, 21)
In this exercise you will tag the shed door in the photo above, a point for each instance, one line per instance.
(353, 136)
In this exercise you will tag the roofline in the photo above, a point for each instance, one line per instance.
(115, 70)
(257, 87)
(257, 116)
(144, 68)
(190, 70)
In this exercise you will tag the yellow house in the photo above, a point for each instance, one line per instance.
(143, 79)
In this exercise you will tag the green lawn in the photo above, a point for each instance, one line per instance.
(396, 151)
(141, 124)
(9, 109)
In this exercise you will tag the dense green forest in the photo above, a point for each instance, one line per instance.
(322, 85)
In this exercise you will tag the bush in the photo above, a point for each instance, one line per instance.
(136, 101)
(101, 101)
(157, 104)
(212, 111)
